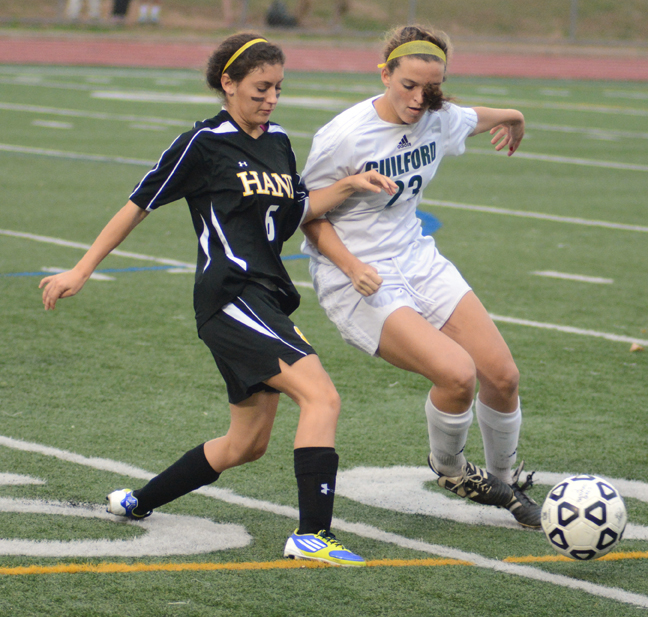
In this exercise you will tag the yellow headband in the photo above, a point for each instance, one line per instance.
(236, 54)
(416, 47)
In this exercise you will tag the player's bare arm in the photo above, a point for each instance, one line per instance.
(69, 283)
(506, 126)
(323, 200)
(322, 235)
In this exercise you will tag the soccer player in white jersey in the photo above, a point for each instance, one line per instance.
(388, 289)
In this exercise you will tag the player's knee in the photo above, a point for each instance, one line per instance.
(329, 402)
(461, 383)
(505, 380)
(323, 396)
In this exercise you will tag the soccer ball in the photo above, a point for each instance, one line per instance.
(584, 517)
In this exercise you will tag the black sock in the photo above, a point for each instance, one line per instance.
(315, 470)
(188, 473)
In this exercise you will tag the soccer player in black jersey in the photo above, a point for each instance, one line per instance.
(237, 172)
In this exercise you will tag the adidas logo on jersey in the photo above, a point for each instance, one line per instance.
(403, 143)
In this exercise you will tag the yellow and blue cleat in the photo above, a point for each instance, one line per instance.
(321, 546)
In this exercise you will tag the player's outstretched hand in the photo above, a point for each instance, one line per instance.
(508, 134)
(61, 285)
(374, 182)
(365, 278)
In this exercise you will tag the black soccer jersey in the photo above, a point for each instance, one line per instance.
(246, 199)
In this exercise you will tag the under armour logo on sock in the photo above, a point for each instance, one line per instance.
(326, 489)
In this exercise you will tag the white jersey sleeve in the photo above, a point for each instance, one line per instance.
(461, 123)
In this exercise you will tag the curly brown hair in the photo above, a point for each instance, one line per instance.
(433, 96)
(252, 58)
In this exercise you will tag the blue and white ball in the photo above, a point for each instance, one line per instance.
(584, 517)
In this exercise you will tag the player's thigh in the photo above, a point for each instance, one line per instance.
(472, 328)
(410, 342)
(306, 382)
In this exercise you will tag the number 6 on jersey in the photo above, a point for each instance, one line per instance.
(269, 222)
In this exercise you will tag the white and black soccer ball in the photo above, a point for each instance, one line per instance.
(584, 517)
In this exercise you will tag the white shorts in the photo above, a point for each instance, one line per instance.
(420, 278)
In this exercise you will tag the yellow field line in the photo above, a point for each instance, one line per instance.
(552, 558)
(112, 568)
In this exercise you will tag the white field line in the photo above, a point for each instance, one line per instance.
(360, 529)
(569, 330)
(91, 73)
(149, 163)
(596, 280)
(85, 247)
(308, 284)
(592, 132)
(549, 158)
(95, 115)
(580, 107)
(34, 79)
(63, 154)
(305, 102)
(535, 215)
(626, 94)
(52, 124)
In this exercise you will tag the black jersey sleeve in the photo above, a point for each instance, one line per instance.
(177, 174)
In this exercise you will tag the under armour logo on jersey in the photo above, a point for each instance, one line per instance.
(326, 490)
(242, 163)
(403, 143)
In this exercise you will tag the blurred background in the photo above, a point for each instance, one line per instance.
(605, 22)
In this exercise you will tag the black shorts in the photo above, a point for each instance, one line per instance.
(247, 337)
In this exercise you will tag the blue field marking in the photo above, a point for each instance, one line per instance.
(293, 257)
(429, 224)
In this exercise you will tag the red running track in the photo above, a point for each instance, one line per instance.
(106, 51)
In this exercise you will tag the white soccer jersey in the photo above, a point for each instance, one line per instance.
(378, 226)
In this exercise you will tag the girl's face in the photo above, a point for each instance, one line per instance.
(251, 101)
(402, 103)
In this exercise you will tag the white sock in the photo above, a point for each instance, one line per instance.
(500, 433)
(448, 435)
